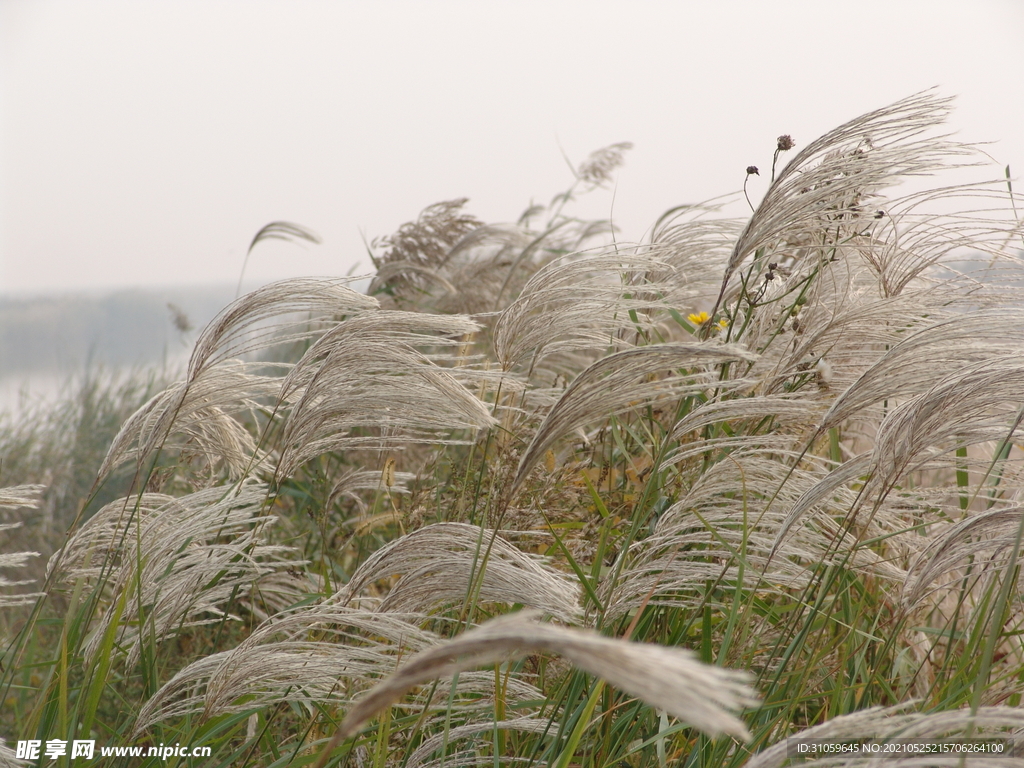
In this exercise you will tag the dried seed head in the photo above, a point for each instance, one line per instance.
(179, 318)
(665, 678)
(387, 475)
(597, 169)
(785, 142)
(752, 169)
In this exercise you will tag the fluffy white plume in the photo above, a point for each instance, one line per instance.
(666, 678)
(452, 562)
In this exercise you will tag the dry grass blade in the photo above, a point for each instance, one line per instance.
(621, 381)
(982, 540)
(446, 562)
(665, 678)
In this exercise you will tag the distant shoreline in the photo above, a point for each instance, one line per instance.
(49, 341)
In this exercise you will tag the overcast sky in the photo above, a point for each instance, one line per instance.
(144, 143)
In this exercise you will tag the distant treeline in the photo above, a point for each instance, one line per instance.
(124, 328)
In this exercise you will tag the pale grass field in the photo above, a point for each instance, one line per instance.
(539, 497)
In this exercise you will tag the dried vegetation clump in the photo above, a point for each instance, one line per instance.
(538, 498)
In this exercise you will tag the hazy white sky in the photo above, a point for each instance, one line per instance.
(146, 142)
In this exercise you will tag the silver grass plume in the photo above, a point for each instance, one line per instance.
(925, 357)
(9, 758)
(948, 384)
(435, 334)
(597, 168)
(978, 404)
(983, 541)
(908, 244)
(449, 263)
(832, 181)
(316, 654)
(665, 678)
(823, 491)
(201, 408)
(485, 267)
(428, 240)
(620, 381)
(430, 745)
(831, 507)
(695, 249)
(841, 329)
(163, 563)
(349, 481)
(473, 694)
(17, 497)
(419, 250)
(199, 414)
(790, 409)
(844, 308)
(882, 725)
(585, 302)
(373, 394)
(451, 562)
(725, 529)
(303, 308)
(276, 230)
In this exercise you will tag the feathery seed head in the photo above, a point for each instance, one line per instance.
(597, 169)
(666, 678)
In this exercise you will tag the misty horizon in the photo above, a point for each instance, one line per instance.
(145, 144)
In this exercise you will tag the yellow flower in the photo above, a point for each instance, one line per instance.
(698, 318)
(723, 323)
